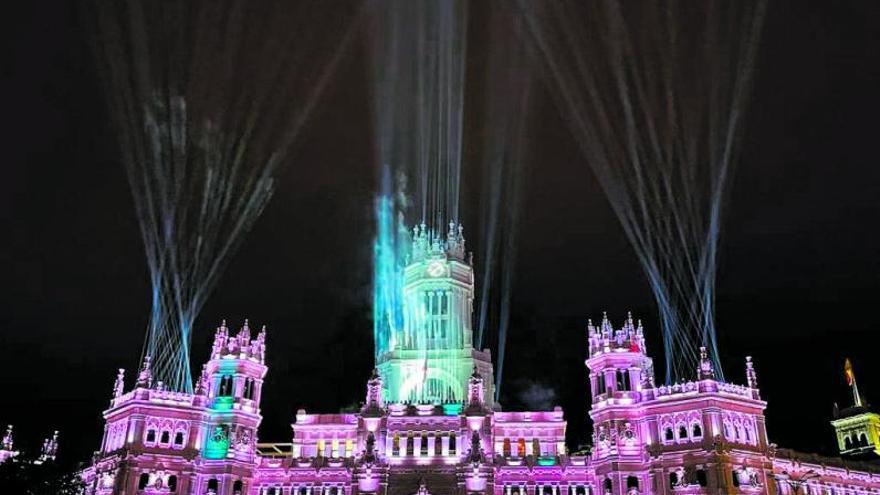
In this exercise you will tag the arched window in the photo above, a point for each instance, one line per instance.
(505, 449)
(349, 447)
(225, 386)
(151, 436)
(747, 431)
(452, 446)
(673, 479)
(847, 443)
(521, 447)
(395, 444)
(682, 433)
(410, 443)
(423, 450)
(213, 485)
(702, 480)
(600, 383)
(735, 475)
(178, 438)
(536, 447)
(622, 380)
(668, 435)
(166, 437)
(237, 488)
(606, 485)
(172, 483)
(438, 443)
(697, 430)
(143, 481)
(632, 483)
(863, 440)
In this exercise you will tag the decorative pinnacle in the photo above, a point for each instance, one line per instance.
(119, 386)
(705, 370)
(751, 375)
(7, 438)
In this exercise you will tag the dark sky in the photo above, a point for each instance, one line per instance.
(798, 286)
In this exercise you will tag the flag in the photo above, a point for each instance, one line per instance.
(848, 370)
(633, 345)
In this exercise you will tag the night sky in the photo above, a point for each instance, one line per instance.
(798, 287)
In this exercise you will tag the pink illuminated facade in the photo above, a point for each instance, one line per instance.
(694, 438)
(699, 437)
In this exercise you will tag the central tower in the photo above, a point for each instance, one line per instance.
(431, 355)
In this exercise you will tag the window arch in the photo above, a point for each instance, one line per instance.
(172, 483)
(178, 438)
(395, 444)
(143, 481)
(606, 485)
(669, 435)
(521, 447)
(682, 432)
(536, 447)
(151, 436)
(622, 380)
(452, 445)
(165, 438)
(505, 449)
(632, 482)
(237, 487)
(702, 479)
(225, 389)
(847, 443)
(696, 430)
(863, 440)
(438, 443)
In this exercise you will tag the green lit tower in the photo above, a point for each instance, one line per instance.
(431, 355)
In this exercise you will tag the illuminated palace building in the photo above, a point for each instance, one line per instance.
(429, 423)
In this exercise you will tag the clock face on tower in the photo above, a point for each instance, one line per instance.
(436, 268)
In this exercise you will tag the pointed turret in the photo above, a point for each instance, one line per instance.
(49, 449)
(7, 447)
(7, 438)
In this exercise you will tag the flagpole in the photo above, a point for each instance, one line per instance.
(856, 397)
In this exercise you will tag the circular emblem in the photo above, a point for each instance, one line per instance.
(436, 268)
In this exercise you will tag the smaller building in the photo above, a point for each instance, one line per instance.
(857, 427)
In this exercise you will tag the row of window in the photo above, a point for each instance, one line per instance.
(861, 441)
(225, 387)
(683, 434)
(622, 382)
(410, 443)
(740, 432)
(157, 482)
(508, 450)
(305, 490)
(213, 487)
(321, 448)
(164, 438)
(548, 490)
